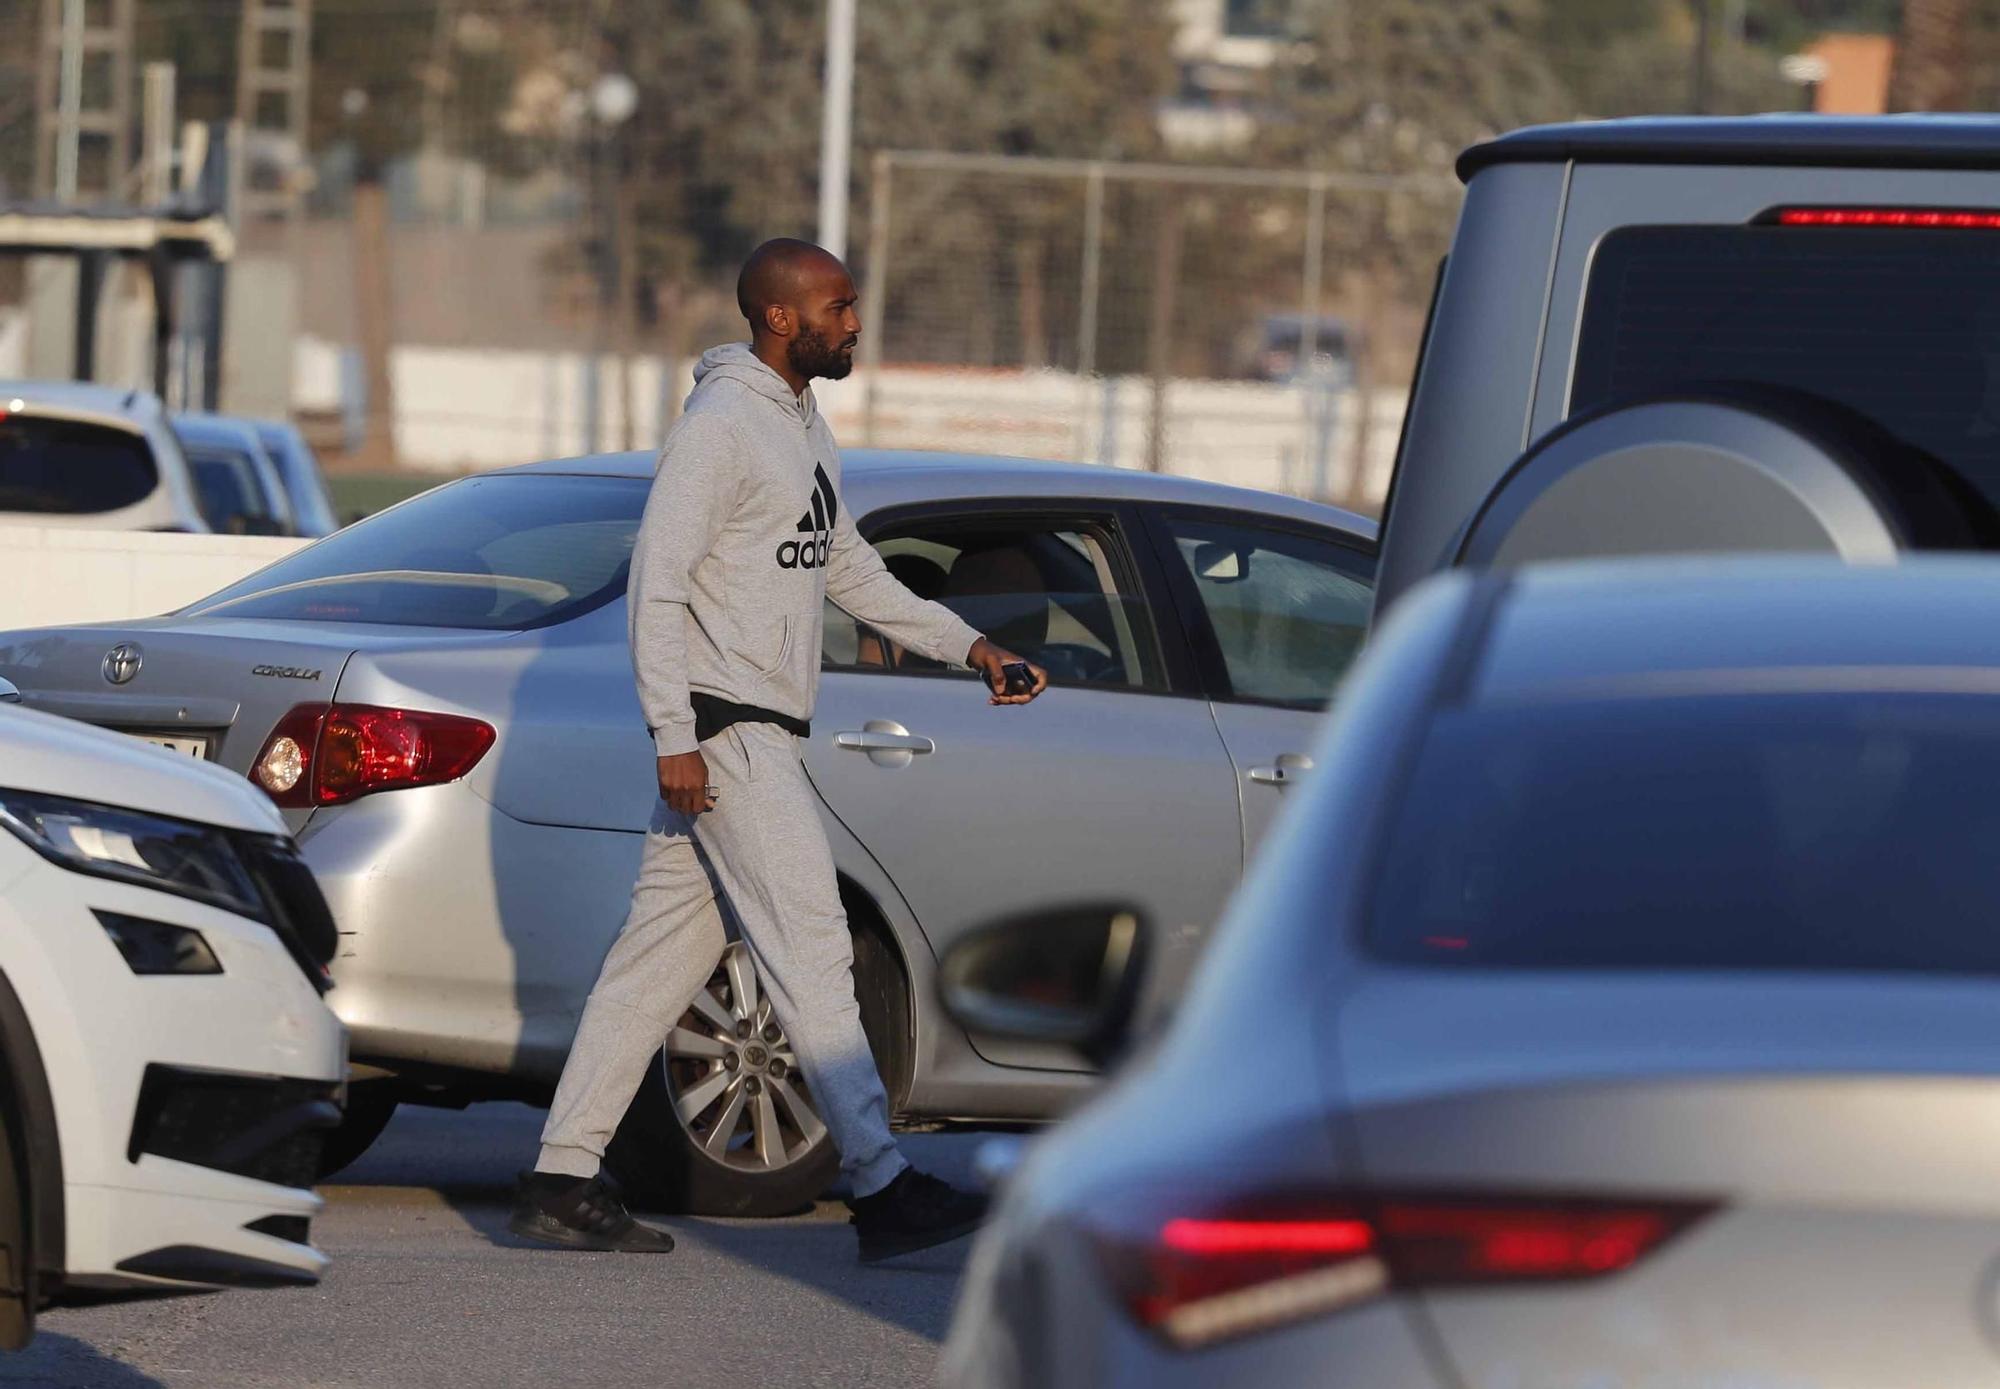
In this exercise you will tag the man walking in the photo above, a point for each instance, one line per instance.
(744, 536)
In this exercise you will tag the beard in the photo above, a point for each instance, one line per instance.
(811, 355)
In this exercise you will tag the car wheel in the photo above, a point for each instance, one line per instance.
(17, 1216)
(724, 1123)
(370, 1107)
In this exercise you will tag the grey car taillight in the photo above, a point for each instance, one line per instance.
(1200, 1279)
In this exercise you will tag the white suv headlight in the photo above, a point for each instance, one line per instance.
(177, 856)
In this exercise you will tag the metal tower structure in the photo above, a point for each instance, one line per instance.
(273, 64)
(83, 100)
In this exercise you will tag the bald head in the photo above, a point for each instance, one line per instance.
(776, 273)
(800, 303)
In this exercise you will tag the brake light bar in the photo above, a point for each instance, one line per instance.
(326, 754)
(1954, 219)
(1201, 1280)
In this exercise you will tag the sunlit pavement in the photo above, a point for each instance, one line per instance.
(429, 1289)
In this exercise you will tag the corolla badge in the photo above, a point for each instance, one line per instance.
(122, 662)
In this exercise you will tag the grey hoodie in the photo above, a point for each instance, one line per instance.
(743, 540)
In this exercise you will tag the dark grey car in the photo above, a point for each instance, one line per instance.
(1675, 335)
(1620, 1008)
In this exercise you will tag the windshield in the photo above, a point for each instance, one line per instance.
(500, 552)
(1832, 831)
(68, 467)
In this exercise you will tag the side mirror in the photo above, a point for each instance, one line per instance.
(1069, 977)
(10, 693)
(1221, 564)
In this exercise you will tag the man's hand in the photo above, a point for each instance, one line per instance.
(684, 783)
(986, 658)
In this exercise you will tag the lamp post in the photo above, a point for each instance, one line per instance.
(835, 127)
(613, 99)
(1805, 71)
(1698, 97)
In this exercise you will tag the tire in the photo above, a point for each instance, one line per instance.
(17, 1253)
(1719, 468)
(370, 1106)
(666, 1163)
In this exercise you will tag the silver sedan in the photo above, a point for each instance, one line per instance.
(441, 698)
(1620, 1007)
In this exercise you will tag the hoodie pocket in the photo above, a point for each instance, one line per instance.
(775, 666)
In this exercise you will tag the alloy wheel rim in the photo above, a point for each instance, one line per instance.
(733, 1078)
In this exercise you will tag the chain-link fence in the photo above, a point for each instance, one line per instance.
(1224, 323)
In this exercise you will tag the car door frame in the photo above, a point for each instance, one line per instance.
(1182, 597)
(1133, 556)
(947, 1067)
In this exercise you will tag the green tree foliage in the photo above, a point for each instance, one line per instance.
(725, 148)
(1401, 87)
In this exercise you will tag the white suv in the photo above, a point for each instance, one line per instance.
(167, 1065)
(75, 454)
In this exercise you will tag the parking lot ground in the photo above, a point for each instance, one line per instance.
(429, 1290)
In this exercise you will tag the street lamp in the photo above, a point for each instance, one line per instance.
(613, 100)
(835, 130)
(1805, 71)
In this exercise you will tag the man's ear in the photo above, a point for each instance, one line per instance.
(778, 319)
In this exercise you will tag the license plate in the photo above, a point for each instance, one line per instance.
(196, 748)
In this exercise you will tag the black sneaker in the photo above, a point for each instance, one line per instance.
(581, 1213)
(914, 1212)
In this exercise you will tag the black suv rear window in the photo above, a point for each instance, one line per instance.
(495, 553)
(71, 468)
(1902, 325)
(1818, 832)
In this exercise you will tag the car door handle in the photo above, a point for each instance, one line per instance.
(871, 741)
(1285, 771)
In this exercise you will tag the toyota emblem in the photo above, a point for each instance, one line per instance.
(122, 662)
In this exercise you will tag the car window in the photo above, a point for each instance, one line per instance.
(70, 468)
(498, 552)
(1288, 610)
(1051, 593)
(1899, 324)
(1826, 831)
(227, 488)
(299, 470)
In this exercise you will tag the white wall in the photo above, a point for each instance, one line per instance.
(51, 575)
(459, 409)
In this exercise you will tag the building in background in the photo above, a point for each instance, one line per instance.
(1851, 73)
(1222, 49)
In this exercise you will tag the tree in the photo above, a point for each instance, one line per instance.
(1401, 87)
(725, 149)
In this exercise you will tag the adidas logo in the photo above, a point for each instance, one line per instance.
(816, 525)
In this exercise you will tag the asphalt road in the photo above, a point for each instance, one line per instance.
(428, 1289)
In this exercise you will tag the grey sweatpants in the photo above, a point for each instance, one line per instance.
(763, 850)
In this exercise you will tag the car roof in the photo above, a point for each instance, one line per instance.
(881, 473)
(1715, 624)
(1918, 141)
(218, 430)
(83, 395)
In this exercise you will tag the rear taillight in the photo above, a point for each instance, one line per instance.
(327, 754)
(1206, 1279)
